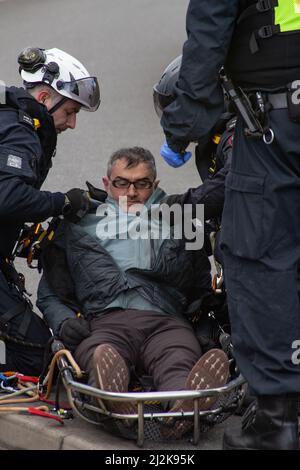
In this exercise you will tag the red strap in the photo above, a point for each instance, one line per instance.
(65, 406)
(28, 378)
(44, 414)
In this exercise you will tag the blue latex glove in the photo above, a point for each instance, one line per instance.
(172, 158)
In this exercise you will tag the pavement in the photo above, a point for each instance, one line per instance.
(26, 432)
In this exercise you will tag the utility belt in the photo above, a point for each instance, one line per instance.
(254, 106)
(290, 99)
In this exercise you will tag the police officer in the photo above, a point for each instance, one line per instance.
(213, 159)
(257, 41)
(57, 86)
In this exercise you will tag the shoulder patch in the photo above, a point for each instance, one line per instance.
(26, 119)
(14, 161)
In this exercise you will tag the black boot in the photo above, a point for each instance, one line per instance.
(271, 424)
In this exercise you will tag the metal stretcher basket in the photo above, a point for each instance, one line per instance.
(79, 393)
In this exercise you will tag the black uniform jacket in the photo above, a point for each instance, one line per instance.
(199, 98)
(27, 144)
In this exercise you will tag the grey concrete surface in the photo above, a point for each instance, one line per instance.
(26, 432)
(127, 44)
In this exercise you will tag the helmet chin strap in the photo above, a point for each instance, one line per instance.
(57, 105)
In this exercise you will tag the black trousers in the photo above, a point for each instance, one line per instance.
(159, 345)
(19, 321)
(261, 248)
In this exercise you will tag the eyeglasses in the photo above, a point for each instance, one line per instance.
(122, 183)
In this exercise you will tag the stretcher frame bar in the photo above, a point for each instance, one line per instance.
(73, 388)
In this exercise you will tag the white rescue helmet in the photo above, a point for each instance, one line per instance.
(62, 72)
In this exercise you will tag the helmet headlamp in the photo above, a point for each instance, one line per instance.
(31, 59)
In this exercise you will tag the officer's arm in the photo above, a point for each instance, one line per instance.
(21, 202)
(199, 98)
(211, 193)
(21, 165)
(54, 311)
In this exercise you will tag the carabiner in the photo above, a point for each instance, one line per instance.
(272, 136)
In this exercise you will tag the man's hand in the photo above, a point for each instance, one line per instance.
(76, 205)
(172, 158)
(73, 331)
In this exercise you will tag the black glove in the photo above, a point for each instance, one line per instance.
(73, 331)
(76, 205)
(96, 193)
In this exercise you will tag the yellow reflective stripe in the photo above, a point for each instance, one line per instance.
(51, 234)
(287, 15)
(37, 228)
(216, 139)
(37, 123)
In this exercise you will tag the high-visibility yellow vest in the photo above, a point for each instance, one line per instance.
(287, 15)
(264, 51)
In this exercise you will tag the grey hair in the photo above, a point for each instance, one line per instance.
(33, 90)
(133, 156)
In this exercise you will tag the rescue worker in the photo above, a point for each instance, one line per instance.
(57, 86)
(257, 42)
(213, 159)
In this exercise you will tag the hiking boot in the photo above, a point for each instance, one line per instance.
(112, 375)
(270, 424)
(211, 371)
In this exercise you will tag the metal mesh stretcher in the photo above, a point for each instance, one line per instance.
(78, 394)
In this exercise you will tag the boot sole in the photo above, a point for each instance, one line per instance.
(112, 375)
(211, 371)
